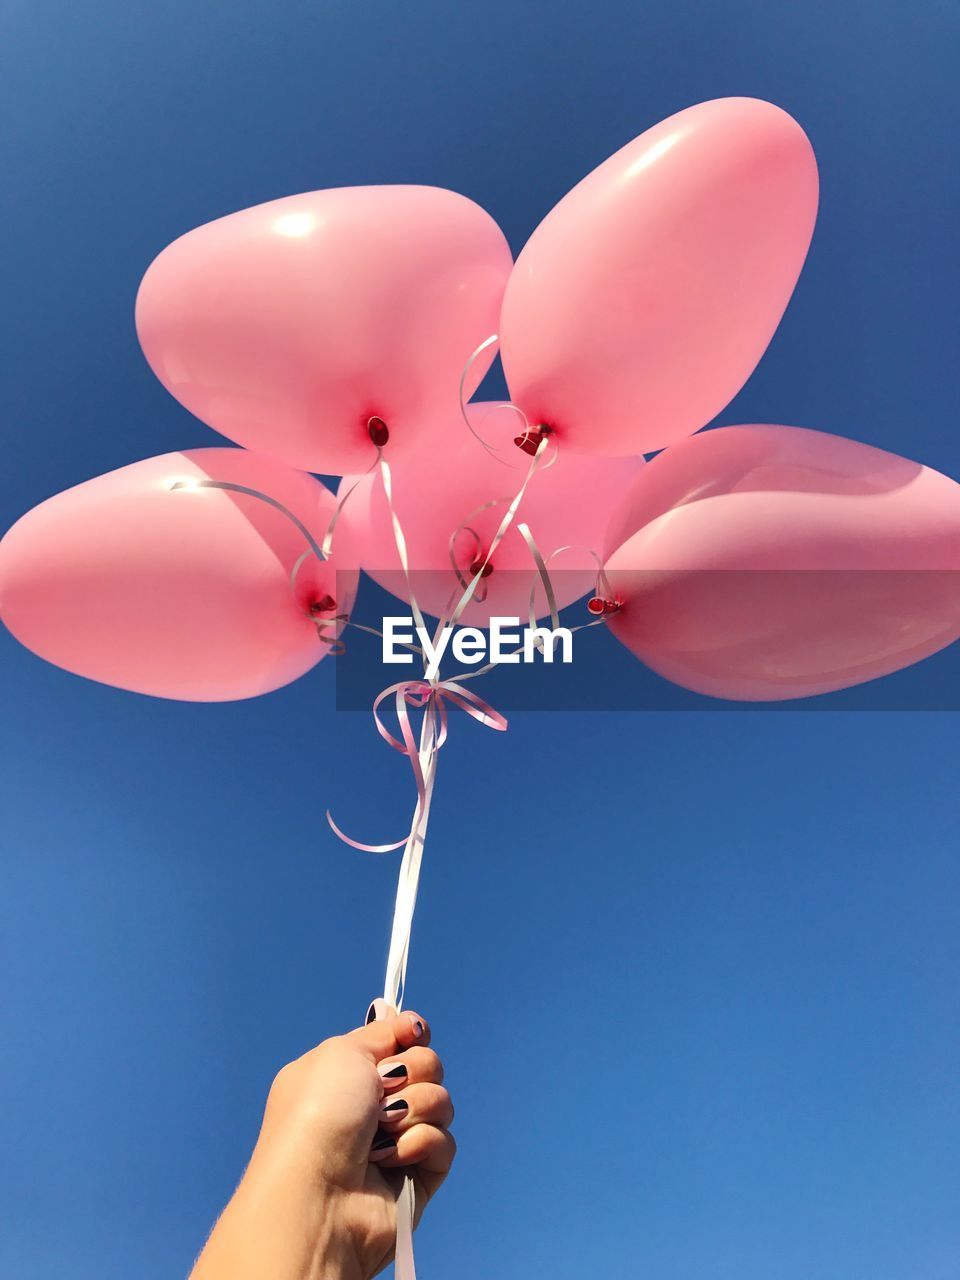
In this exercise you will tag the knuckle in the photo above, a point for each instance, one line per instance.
(285, 1081)
(432, 1066)
(440, 1100)
(433, 1100)
(418, 1098)
(431, 1105)
(288, 1089)
(411, 1143)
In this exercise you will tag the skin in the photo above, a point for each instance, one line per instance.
(316, 1201)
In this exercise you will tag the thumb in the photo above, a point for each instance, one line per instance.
(387, 1032)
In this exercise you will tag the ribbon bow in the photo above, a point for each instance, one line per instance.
(432, 697)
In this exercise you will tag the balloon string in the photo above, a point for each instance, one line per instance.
(602, 588)
(403, 1265)
(327, 546)
(524, 531)
(437, 690)
(406, 692)
(398, 537)
(322, 552)
(536, 462)
(465, 527)
(542, 569)
(494, 453)
(433, 693)
(395, 978)
(432, 696)
(315, 547)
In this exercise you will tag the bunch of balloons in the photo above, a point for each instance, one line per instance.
(324, 332)
(343, 332)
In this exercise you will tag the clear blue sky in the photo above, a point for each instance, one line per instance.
(694, 974)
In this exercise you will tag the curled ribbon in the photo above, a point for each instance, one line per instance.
(431, 696)
(602, 588)
(505, 404)
(328, 627)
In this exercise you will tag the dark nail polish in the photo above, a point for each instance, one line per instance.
(395, 1109)
(398, 1072)
(371, 1014)
(383, 1143)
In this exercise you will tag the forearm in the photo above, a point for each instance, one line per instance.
(277, 1227)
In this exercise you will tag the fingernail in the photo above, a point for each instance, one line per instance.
(393, 1110)
(382, 1147)
(379, 1009)
(392, 1071)
(417, 1027)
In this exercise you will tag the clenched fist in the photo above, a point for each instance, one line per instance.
(317, 1201)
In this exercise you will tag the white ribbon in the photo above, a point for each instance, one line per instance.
(409, 879)
(432, 732)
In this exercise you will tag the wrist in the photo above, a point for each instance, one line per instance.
(335, 1258)
(306, 1215)
(281, 1223)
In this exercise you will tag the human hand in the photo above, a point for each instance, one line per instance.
(318, 1199)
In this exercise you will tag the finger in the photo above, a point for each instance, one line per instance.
(432, 1150)
(378, 1011)
(390, 1036)
(414, 1066)
(417, 1104)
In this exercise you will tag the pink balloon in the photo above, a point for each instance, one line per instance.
(766, 562)
(288, 326)
(444, 485)
(643, 301)
(181, 593)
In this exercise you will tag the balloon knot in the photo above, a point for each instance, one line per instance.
(532, 438)
(378, 431)
(477, 566)
(601, 607)
(326, 604)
